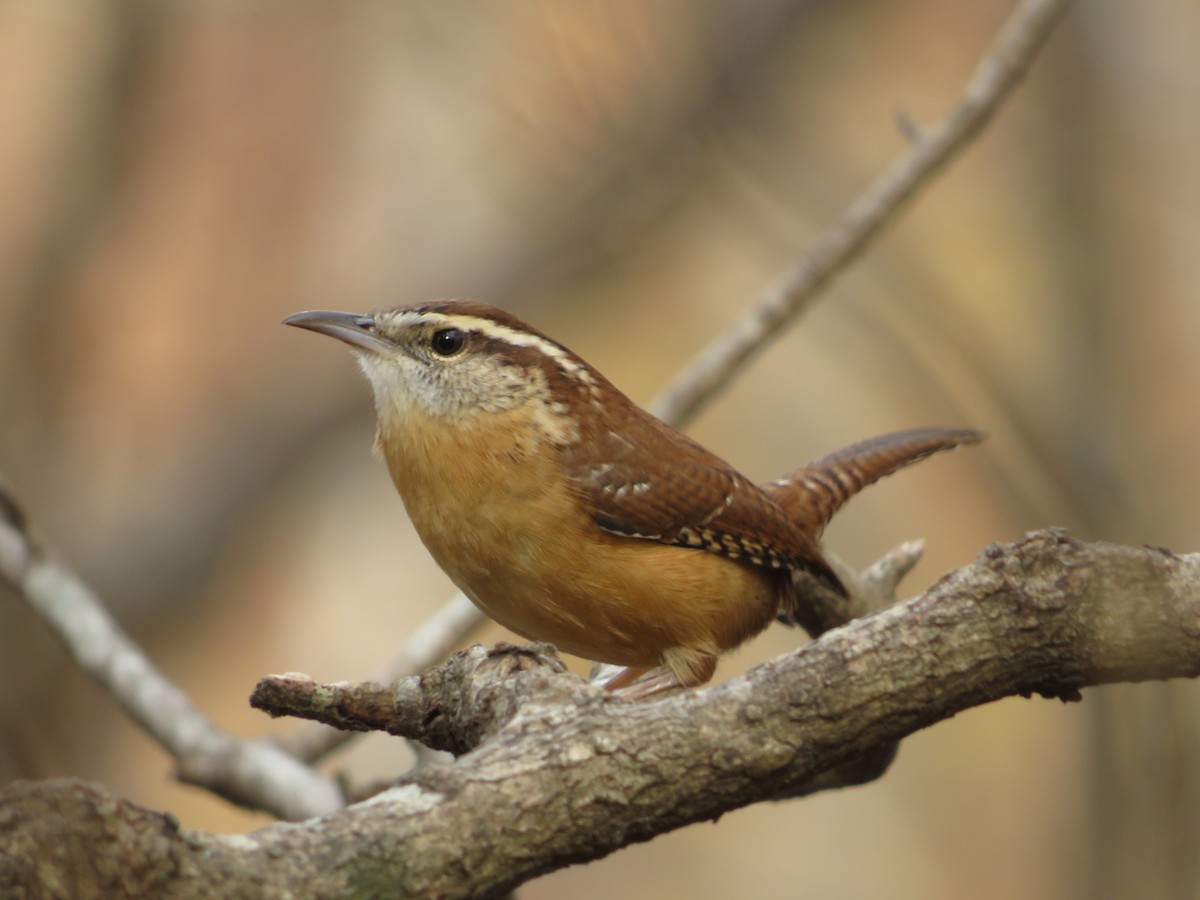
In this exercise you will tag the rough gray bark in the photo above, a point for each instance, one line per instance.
(554, 772)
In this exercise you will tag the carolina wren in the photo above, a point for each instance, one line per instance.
(571, 515)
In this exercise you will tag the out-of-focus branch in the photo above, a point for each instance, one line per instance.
(252, 773)
(1000, 70)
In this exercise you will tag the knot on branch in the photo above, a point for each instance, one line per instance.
(1035, 553)
(1038, 574)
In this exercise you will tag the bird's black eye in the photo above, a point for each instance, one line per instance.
(448, 341)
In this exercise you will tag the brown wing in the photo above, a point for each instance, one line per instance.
(812, 494)
(696, 501)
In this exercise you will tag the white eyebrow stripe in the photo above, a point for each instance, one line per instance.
(500, 332)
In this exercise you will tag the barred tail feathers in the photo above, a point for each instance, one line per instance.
(814, 492)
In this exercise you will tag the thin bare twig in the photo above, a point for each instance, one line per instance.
(252, 773)
(1000, 70)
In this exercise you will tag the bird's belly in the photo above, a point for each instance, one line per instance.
(546, 571)
(624, 601)
(530, 557)
(536, 572)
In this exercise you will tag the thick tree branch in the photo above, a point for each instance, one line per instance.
(253, 773)
(564, 782)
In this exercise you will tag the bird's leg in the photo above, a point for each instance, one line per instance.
(620, 678)
(633, 684)
(682, 667)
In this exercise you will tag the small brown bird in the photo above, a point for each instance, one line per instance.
(571, 515)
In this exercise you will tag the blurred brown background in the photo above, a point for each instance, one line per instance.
(175, 178)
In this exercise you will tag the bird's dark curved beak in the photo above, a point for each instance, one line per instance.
(355, 329)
